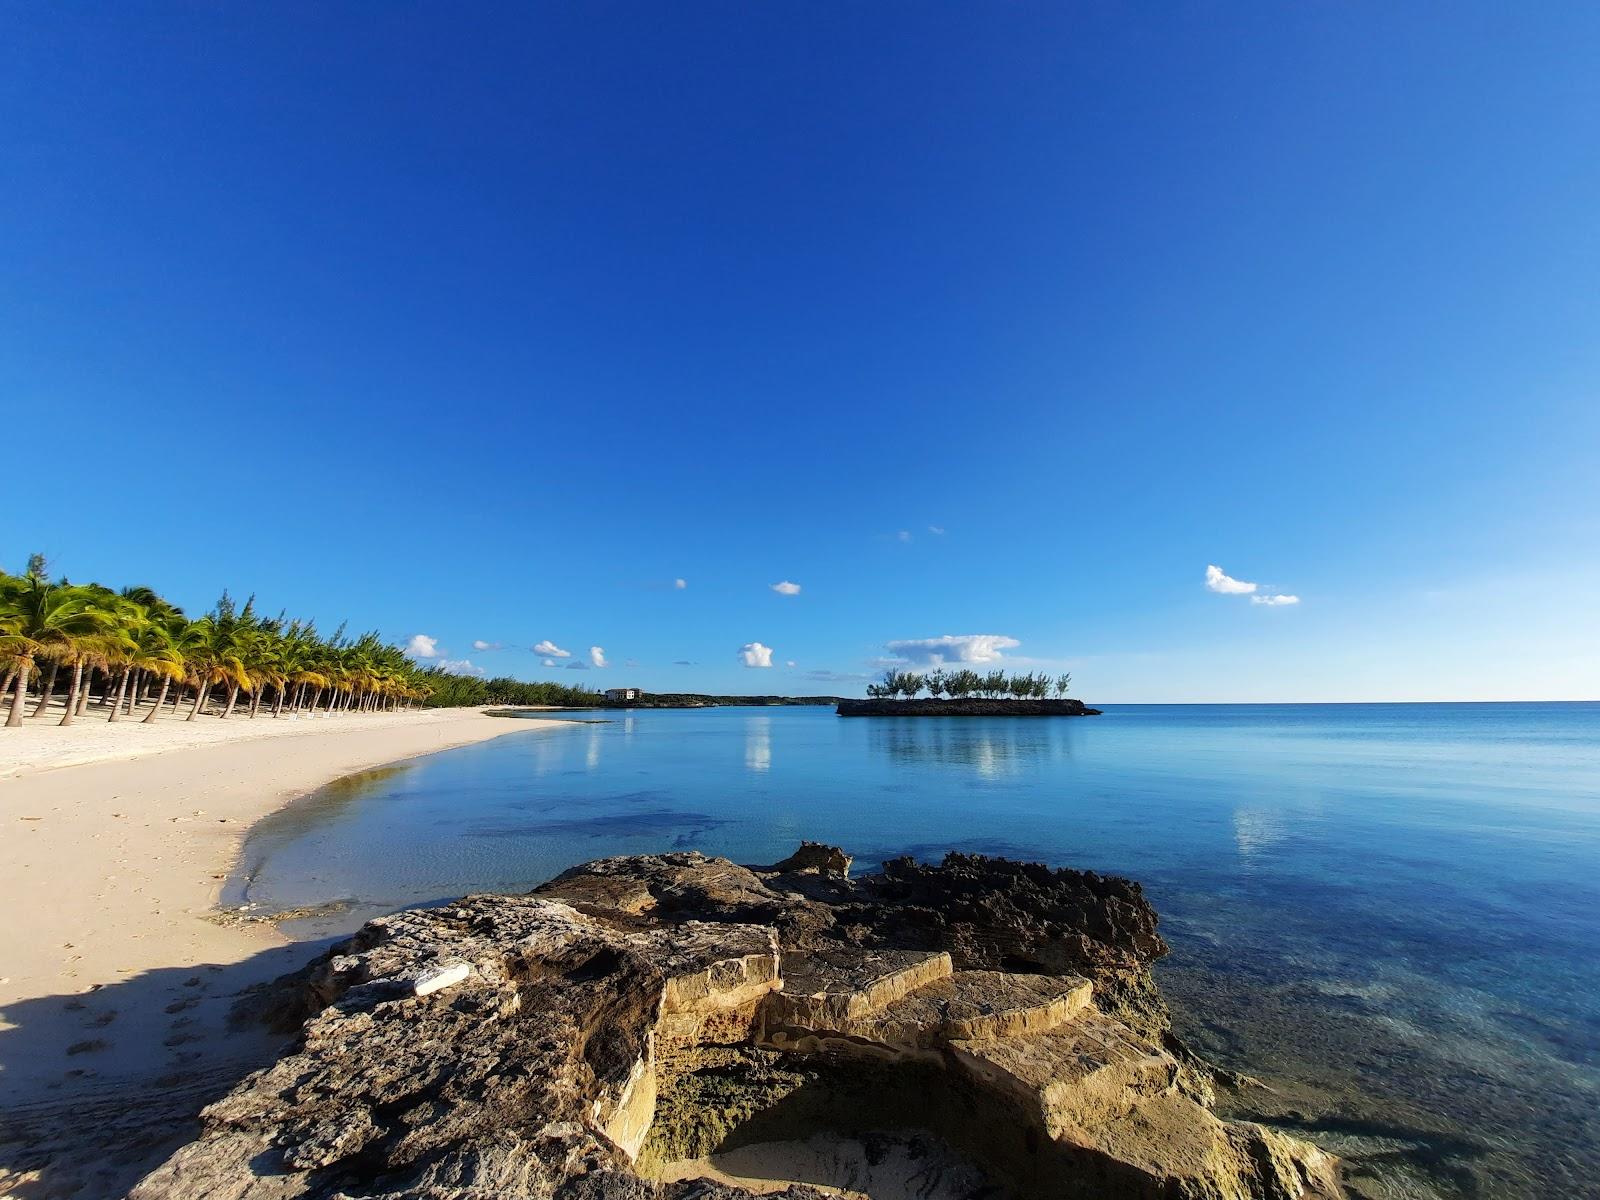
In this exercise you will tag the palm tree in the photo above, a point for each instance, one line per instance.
(147, 607)
(43, 619)
(153, 650)
(121, 642)
(212, 649)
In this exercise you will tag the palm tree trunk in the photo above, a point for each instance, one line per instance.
(233, 696)
(72, 696)
(199, 698)
(165, 684)
(277, 701)
(20, 696)
(116, 707)
(133, 692)
(83, 692)
(49, 688)
(255, 702)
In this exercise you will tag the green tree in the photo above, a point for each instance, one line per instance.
(213, 649)
(41, 619)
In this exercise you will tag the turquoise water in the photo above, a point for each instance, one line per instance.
(1390, 913)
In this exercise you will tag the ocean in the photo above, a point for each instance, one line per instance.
(1389, 914)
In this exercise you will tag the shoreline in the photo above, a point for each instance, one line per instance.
(116, 975)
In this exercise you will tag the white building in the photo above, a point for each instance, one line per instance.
(619, 694)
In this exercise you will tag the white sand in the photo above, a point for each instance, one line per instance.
(882, 1165)
(41, 743)
(115, 983)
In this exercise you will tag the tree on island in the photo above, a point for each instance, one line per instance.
(963, 683)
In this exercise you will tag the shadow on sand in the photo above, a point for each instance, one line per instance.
(100, 1086)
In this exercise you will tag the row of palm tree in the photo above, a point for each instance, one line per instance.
(470, 691)
(137, 648)
(963, 683)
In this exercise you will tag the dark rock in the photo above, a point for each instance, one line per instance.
(816, 856)
(965, 708)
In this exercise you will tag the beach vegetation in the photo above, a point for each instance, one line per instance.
(132, 648)
(996, 684)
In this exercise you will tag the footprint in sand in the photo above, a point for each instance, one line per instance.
(88, 1047)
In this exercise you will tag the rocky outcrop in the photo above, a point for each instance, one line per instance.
(613, 1032)
(977, 707)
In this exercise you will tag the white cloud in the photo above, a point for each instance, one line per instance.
(790, 663)
(482, 645)
(549, 662)
(936, 530)
(1217, 581)
(785, 588)
(597, 656)
(550, 650)
(754, 654)
(1275, 600)
(680, 584)
(459, 666)
(838, 676)
(904, 535)
(423, 646)
(964, 648)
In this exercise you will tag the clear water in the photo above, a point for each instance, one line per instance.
(1390, 913)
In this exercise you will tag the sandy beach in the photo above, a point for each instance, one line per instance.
(115, 976)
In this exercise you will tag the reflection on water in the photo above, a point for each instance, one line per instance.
(758, 743)
(993, 747)
(1388, 911)
(1256, 831)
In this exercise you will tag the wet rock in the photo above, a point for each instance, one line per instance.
(600, 1036)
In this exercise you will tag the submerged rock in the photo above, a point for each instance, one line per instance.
(627, 1028)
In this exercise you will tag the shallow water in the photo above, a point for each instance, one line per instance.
(1390, 913)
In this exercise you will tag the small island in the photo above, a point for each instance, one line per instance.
(967, 694)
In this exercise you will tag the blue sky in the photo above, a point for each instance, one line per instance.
(968, 320)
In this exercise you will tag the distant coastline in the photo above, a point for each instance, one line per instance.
(700, 700)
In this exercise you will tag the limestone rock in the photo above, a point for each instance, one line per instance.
(816, 856)
(601, 1036)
